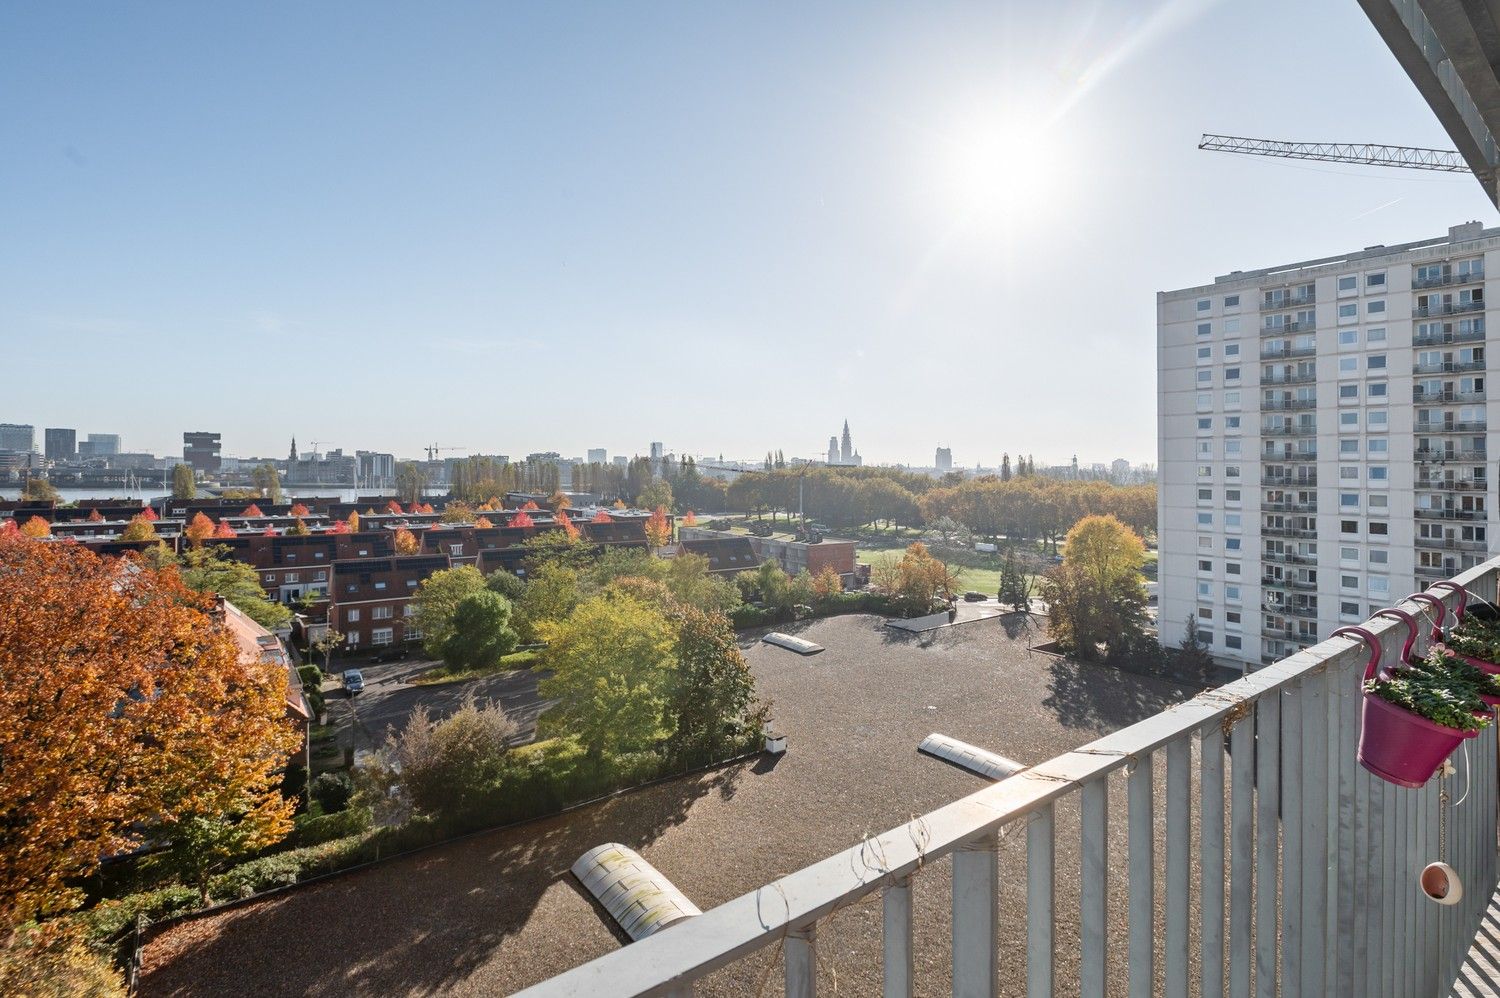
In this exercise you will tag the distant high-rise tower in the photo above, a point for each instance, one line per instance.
(833, 450)
(61, 444)
(292, 456)
(846, 446)
(944, 461)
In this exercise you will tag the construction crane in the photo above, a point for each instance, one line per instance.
(433, 450)
(316, 444)
(1363, 154)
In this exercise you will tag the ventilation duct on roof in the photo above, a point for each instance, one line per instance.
(636, 895)
(969, 758)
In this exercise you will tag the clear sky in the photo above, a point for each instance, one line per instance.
(728, 227)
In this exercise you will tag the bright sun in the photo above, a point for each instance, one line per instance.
(1002, 170)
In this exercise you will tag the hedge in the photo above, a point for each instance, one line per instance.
(311, 831)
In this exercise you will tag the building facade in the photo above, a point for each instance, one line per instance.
(60, 444)
(99, 445)
(201, 451)
(943, 462)
(19, 437)
(1324, 434)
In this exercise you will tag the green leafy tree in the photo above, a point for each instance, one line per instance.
(1194, 649)
(40, 490)
(656, 493)
(184, 483)
(1097, 597)
(268, 480)
(437, 601)
(411, 480)
(612, 674)
(507, 584)
(208, 570)
(480, 632)
(556, 547)
(551, 595)
(713, 691)
(1015, 584)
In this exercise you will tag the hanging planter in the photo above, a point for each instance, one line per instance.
(1442, 663)
(1410, 722)
(1475, 637)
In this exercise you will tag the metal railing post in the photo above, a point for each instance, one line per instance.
(897, 939)
(1041, 839)
(976, 888)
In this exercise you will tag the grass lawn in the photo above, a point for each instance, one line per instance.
(441, 674)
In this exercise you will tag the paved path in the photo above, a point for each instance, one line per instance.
(389, 697)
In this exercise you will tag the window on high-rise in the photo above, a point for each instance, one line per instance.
(1375, 280)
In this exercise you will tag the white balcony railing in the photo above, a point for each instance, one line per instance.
(1301, 877)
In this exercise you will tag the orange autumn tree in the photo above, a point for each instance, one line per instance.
(522, 519)
(149, 515)
(95, 516)
(252, 510)
(406, 542)
(689, 519)
(10, 530)
(566, 522)
(658, 530)
(300, 510)
(393, 507)
(224, 530)
(340, 527)
(483, 523)
(36, 527)
(126, 713)
(353, 520)
(602, 517)
(199, 529)
(530, 506)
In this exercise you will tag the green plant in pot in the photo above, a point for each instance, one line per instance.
(1476, 639)
(1442, 664)
(1435, 696)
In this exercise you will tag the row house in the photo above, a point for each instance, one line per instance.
(370, 599)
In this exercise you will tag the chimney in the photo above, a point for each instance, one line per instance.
(1467, 232)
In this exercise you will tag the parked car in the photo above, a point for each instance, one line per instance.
(974, 597)
(354, 681)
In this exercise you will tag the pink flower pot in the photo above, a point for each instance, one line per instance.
(1400, 747)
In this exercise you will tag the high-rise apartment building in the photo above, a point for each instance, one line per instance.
(598, 455)
(1324, 435)
(60, 444)
(944, 460)
(19, 437)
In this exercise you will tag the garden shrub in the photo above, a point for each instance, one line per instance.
(311, 831)
(53, 960)
(310, 675)
(333, 791)
(109, 920)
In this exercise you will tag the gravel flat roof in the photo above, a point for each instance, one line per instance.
(500, 911)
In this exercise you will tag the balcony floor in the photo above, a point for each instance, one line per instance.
(1480, 975)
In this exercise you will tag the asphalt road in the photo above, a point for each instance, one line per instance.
(389, 698)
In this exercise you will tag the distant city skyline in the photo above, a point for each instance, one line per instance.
(517, 451)
(944, 222)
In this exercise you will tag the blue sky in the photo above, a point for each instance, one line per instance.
(727, 227)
